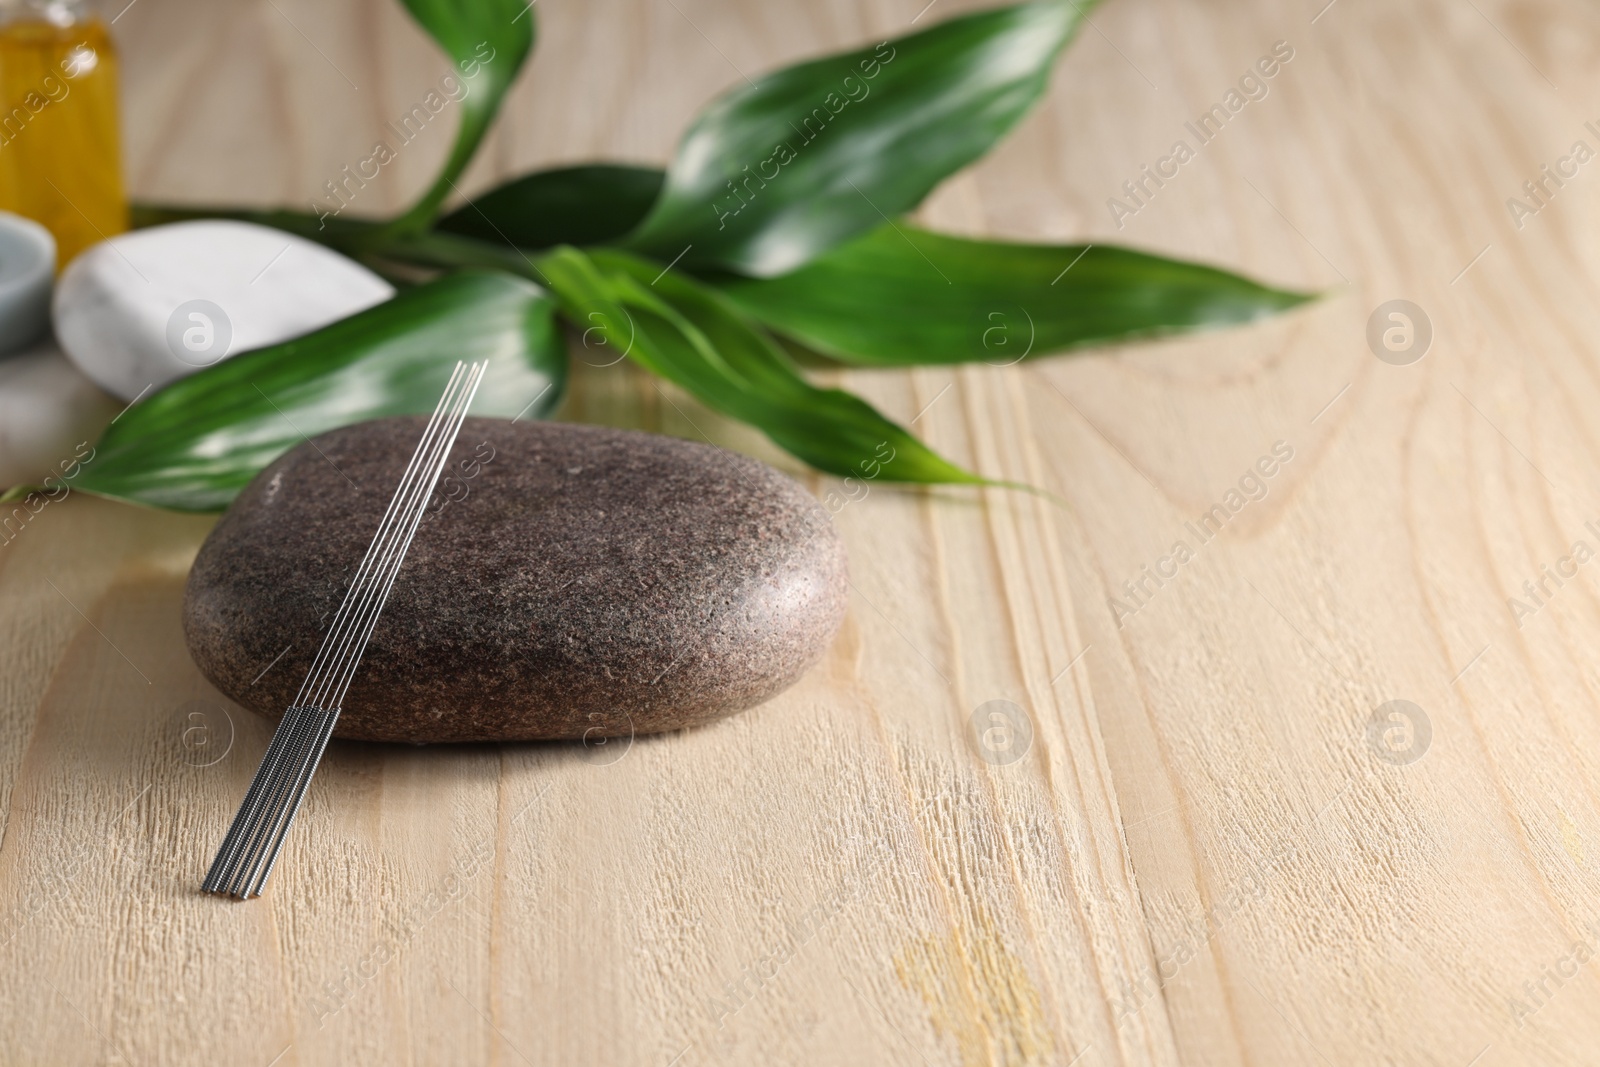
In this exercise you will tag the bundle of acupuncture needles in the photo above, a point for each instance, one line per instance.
(250, 851)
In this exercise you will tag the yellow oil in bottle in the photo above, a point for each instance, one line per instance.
(60, 158)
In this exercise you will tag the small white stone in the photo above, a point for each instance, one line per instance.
(27, 264)
(50, 416)
(149, 307)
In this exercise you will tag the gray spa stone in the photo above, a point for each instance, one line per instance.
(583, 582)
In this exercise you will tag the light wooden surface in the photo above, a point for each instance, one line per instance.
(1201, 859)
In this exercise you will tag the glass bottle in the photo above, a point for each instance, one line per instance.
(60, 146)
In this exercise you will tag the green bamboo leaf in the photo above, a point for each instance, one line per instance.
(773, 174)
(193, 445)
(579, 205)
(902, 296)
(488, 40)
(689, 335)
(582, 205)
(367, 240)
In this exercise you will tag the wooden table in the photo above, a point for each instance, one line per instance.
(1210, 852)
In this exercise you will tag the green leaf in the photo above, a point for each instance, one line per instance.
(580, 205)
(488, 40)
(367, 240)
(773, 174)
(902, 296)
(193, 445)
(689, 335)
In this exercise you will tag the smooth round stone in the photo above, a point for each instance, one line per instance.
(149, 307)
(585, 583)
(27, 266)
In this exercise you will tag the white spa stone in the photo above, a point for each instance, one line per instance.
(27, 263)
(48, 412)
(148, 307)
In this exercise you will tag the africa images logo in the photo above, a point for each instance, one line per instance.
(1253, 486)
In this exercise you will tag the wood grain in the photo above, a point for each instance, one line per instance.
(1203, 857)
